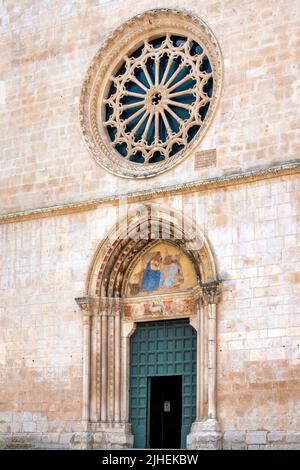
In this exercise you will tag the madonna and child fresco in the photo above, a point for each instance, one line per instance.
(165, 268)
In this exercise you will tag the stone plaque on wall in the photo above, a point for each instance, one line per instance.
(205, 158)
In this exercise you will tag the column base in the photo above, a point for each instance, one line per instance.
(205, 435)
(103, 436)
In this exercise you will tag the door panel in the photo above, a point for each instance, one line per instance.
(161, 348)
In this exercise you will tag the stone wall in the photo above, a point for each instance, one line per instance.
(253, 228)
(47, 48)
(254, 234)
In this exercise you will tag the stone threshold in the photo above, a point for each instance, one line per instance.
(206, 184)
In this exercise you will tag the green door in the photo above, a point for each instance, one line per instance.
(161, 348)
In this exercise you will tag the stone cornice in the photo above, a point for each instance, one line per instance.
(249, 176)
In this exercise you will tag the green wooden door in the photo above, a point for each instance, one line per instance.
(158, 349)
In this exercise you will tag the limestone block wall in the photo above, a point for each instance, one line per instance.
(254, 233)
(46, 48)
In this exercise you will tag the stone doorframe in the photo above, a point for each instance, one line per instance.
(106, 331)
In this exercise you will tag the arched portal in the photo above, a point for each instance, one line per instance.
(123, 290)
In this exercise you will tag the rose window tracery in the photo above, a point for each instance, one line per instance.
(158, 99)
(151, 93)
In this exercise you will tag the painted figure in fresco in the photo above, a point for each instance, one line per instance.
(171, 272)
(134, 286)
(151, 277)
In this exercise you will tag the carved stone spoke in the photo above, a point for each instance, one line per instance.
(170, 111)
(181, 93)
(133, 105)
(145, 133)
(169, 130)
(181, 82)
(173, 76)
(179, 105)
(135, 115)
(137, 95)
(144, 68)
(136, 128)
(164, 77)
(157, 61)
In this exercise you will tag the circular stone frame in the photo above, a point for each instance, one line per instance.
(106, 63)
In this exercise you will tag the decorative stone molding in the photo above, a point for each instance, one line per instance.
(160, 307)
(144, 47)
(246, 177)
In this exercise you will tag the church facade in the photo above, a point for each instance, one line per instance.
(150, 263)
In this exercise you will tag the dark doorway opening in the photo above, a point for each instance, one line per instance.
(165, 411)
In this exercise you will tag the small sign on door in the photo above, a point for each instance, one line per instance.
(167, 406)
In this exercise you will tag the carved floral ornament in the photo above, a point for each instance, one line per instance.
(150, 93)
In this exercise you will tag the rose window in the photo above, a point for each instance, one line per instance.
(148, 104)
(158, 99)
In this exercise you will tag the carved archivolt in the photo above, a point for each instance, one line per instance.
(119, 251)
(150, 93)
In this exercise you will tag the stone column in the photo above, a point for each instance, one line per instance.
(201, 357)
(82, 439)
(104, 365)
(128, 328)
(117, 366)
(197, 322)
(205, 432)
(104, 375)
(212, 361)
(86, 307)
(95, 367)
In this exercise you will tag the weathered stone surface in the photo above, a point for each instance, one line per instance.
(253, 229)
(81, 440)
(293, 437)
(205, 435)
(276, 436)
(256, 437)
(238, 446)
(46, 171)
(235, 436)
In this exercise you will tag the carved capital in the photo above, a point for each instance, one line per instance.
(99, 305)
(211, 293)
(86, 305)
(197, 292)
(109, 305)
